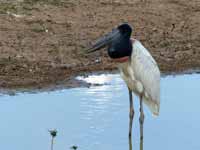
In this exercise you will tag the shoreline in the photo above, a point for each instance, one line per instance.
(42, 42)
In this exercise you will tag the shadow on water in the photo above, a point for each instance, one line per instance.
(97, 117)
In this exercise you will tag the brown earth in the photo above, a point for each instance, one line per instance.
(42, 41)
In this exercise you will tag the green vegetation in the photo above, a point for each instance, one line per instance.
(5, 7)
(51, 2)
(24, 6)
(19, 7)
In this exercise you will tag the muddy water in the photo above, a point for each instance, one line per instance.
(96, 118)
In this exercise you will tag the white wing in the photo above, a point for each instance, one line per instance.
(147, 73)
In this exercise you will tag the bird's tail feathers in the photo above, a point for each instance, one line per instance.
(153, 106)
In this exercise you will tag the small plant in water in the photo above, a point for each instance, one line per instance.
(53, 134)
(74, 147)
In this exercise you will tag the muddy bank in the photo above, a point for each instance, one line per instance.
(41, 42)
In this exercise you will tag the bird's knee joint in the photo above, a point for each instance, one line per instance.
(131, 113)
(129, 135)
(141, 119)
(141, 137)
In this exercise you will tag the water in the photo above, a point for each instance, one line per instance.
(96, 118)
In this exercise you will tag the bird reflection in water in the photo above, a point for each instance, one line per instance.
(141, 144)
(130, 143)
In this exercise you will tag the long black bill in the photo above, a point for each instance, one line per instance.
(104, 41)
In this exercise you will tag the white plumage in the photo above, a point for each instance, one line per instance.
(142, 76)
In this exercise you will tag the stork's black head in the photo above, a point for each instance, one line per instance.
(118, 42)
(121, 46)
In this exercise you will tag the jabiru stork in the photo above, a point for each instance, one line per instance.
(137, 67)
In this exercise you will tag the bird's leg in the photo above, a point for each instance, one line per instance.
(131, 115)
(141, 120)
